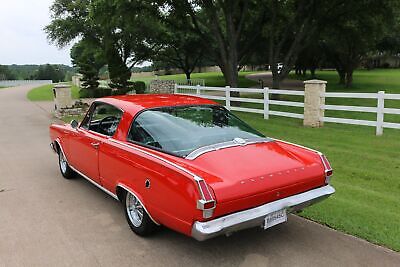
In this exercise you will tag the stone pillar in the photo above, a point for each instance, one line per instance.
(62, 96)
(313, 101)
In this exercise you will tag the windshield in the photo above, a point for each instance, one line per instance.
(181, 130)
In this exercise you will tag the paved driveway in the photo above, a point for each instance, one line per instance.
(46, 220)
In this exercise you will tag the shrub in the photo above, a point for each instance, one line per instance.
(140, 87)
(107, 91)
(86, 93)
(98, 92)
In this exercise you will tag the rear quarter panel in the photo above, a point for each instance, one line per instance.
(171, 198)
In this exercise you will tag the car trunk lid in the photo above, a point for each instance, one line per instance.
(258, 173)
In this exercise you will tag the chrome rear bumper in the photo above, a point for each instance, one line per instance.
(255, 216)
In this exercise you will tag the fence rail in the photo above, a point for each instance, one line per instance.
(224, 94)
(11, 83)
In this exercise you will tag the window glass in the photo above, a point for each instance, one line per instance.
(104, 119)
(181, 130)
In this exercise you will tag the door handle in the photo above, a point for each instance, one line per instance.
(95, 145)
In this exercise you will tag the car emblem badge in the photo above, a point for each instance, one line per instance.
(239, 141)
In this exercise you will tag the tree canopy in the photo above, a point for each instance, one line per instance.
(232, 33)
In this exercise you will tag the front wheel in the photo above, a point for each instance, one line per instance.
(137, 217)
(65, 169)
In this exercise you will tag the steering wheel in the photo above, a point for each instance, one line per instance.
(106, 119)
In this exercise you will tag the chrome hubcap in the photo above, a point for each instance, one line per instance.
(134, 209)
(63, 162)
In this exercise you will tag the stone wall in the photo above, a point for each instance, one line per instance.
(162, 86)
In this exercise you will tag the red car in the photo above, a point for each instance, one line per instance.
(189, 164)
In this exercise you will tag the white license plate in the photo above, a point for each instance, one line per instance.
(275, 218)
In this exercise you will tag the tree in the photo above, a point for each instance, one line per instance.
(88, 59)
(124, 30)
(5, 73)
(178, 46)
(309, 59)
(228, 30)
(291, 27)
(348, 39)
(50, 72)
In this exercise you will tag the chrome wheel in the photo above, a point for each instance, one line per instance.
(63, 162)
(134, 209)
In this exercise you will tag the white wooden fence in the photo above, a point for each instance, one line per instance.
(11, 83)
(379, 110)
(224, 94)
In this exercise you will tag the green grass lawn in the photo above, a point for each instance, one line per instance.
(45, 93)
(366, 176)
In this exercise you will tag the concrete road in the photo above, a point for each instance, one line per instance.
(46, 220)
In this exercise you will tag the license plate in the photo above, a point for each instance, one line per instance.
(275, 218)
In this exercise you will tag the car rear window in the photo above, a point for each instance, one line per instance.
(183, 129)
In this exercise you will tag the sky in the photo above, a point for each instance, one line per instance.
(22, 39)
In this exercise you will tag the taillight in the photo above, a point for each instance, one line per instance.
(207, 202)
(328, 168)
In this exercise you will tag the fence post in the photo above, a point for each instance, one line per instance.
(228, 97)
(198, 89)
(175, 88)
(266, 103)
(314, 98)
(380, 112)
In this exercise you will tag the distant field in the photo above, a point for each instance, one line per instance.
(211, 78)
(364, 80)
(45, 93)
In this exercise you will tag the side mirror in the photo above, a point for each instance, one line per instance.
(74, 124)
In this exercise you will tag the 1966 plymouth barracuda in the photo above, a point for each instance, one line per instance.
(189, 164)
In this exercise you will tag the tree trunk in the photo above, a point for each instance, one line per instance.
(342, 77)
(276, 84)
(349, 78)
(229, 70)
(187, 73)
(312, 70)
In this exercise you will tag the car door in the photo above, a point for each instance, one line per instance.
(99, 124)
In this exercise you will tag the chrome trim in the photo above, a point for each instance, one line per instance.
(53, 147)
(144, 207)
(94, 183)
(214, 147)
(195, 177)
(293, 144)
(255, 216)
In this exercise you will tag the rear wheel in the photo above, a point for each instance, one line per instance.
(65, 169)
(137, 217)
